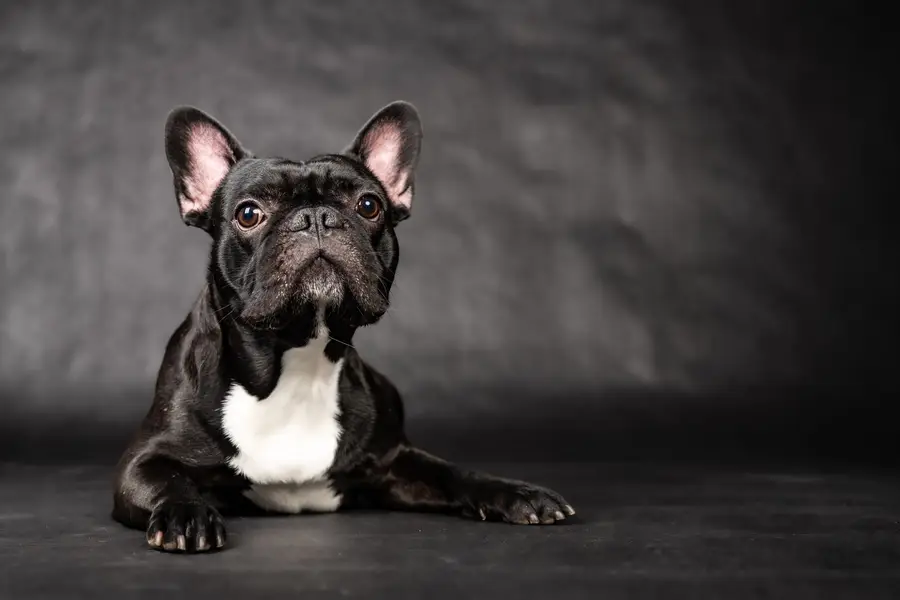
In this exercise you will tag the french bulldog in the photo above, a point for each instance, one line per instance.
(262, 404)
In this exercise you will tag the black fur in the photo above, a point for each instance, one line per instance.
(174, 480)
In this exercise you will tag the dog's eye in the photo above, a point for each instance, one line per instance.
(248, 215)
(368, 206)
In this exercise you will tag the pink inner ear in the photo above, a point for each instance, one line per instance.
(385, 146)
(211, 158)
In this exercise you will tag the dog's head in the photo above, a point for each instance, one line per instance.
(290, 236)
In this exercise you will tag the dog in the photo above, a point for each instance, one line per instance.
(262, 404)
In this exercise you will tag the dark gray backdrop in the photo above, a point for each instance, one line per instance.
(640, 224)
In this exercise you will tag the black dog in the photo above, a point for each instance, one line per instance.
(262, 403)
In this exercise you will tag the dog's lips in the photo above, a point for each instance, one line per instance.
(321, 260)
(322, 264)
(318, 265)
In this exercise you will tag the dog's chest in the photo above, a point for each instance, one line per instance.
(287, 441)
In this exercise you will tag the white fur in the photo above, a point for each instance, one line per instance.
(287, 441)
(316, 496)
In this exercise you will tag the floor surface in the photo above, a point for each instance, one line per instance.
(641, 532)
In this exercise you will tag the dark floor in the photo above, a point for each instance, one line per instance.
(642, 532)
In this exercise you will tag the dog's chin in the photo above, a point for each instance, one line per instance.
(321, 284)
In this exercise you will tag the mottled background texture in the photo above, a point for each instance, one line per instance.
(642, 226)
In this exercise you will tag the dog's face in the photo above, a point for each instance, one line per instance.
(290, 237)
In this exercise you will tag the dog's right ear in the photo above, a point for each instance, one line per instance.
(200, 153)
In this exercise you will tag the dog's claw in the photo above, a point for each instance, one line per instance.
(184, 527)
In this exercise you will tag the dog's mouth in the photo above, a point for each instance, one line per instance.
(280, 299)
(296, 280)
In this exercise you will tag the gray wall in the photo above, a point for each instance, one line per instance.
(616, 195)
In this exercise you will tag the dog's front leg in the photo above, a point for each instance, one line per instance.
(418, 481)
(155, 493)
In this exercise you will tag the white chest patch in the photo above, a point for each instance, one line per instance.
(287, 441)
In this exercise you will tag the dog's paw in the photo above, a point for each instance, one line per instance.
(185, 527)
(516, 502)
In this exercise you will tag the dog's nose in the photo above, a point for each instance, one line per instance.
(319, 219)
(329, 219)
(301, 221)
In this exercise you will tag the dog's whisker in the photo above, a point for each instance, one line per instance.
(341, 342)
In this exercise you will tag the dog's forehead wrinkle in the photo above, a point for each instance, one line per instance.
(322, 181)
(266, 179)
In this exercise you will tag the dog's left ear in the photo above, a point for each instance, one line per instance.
(389, 146)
